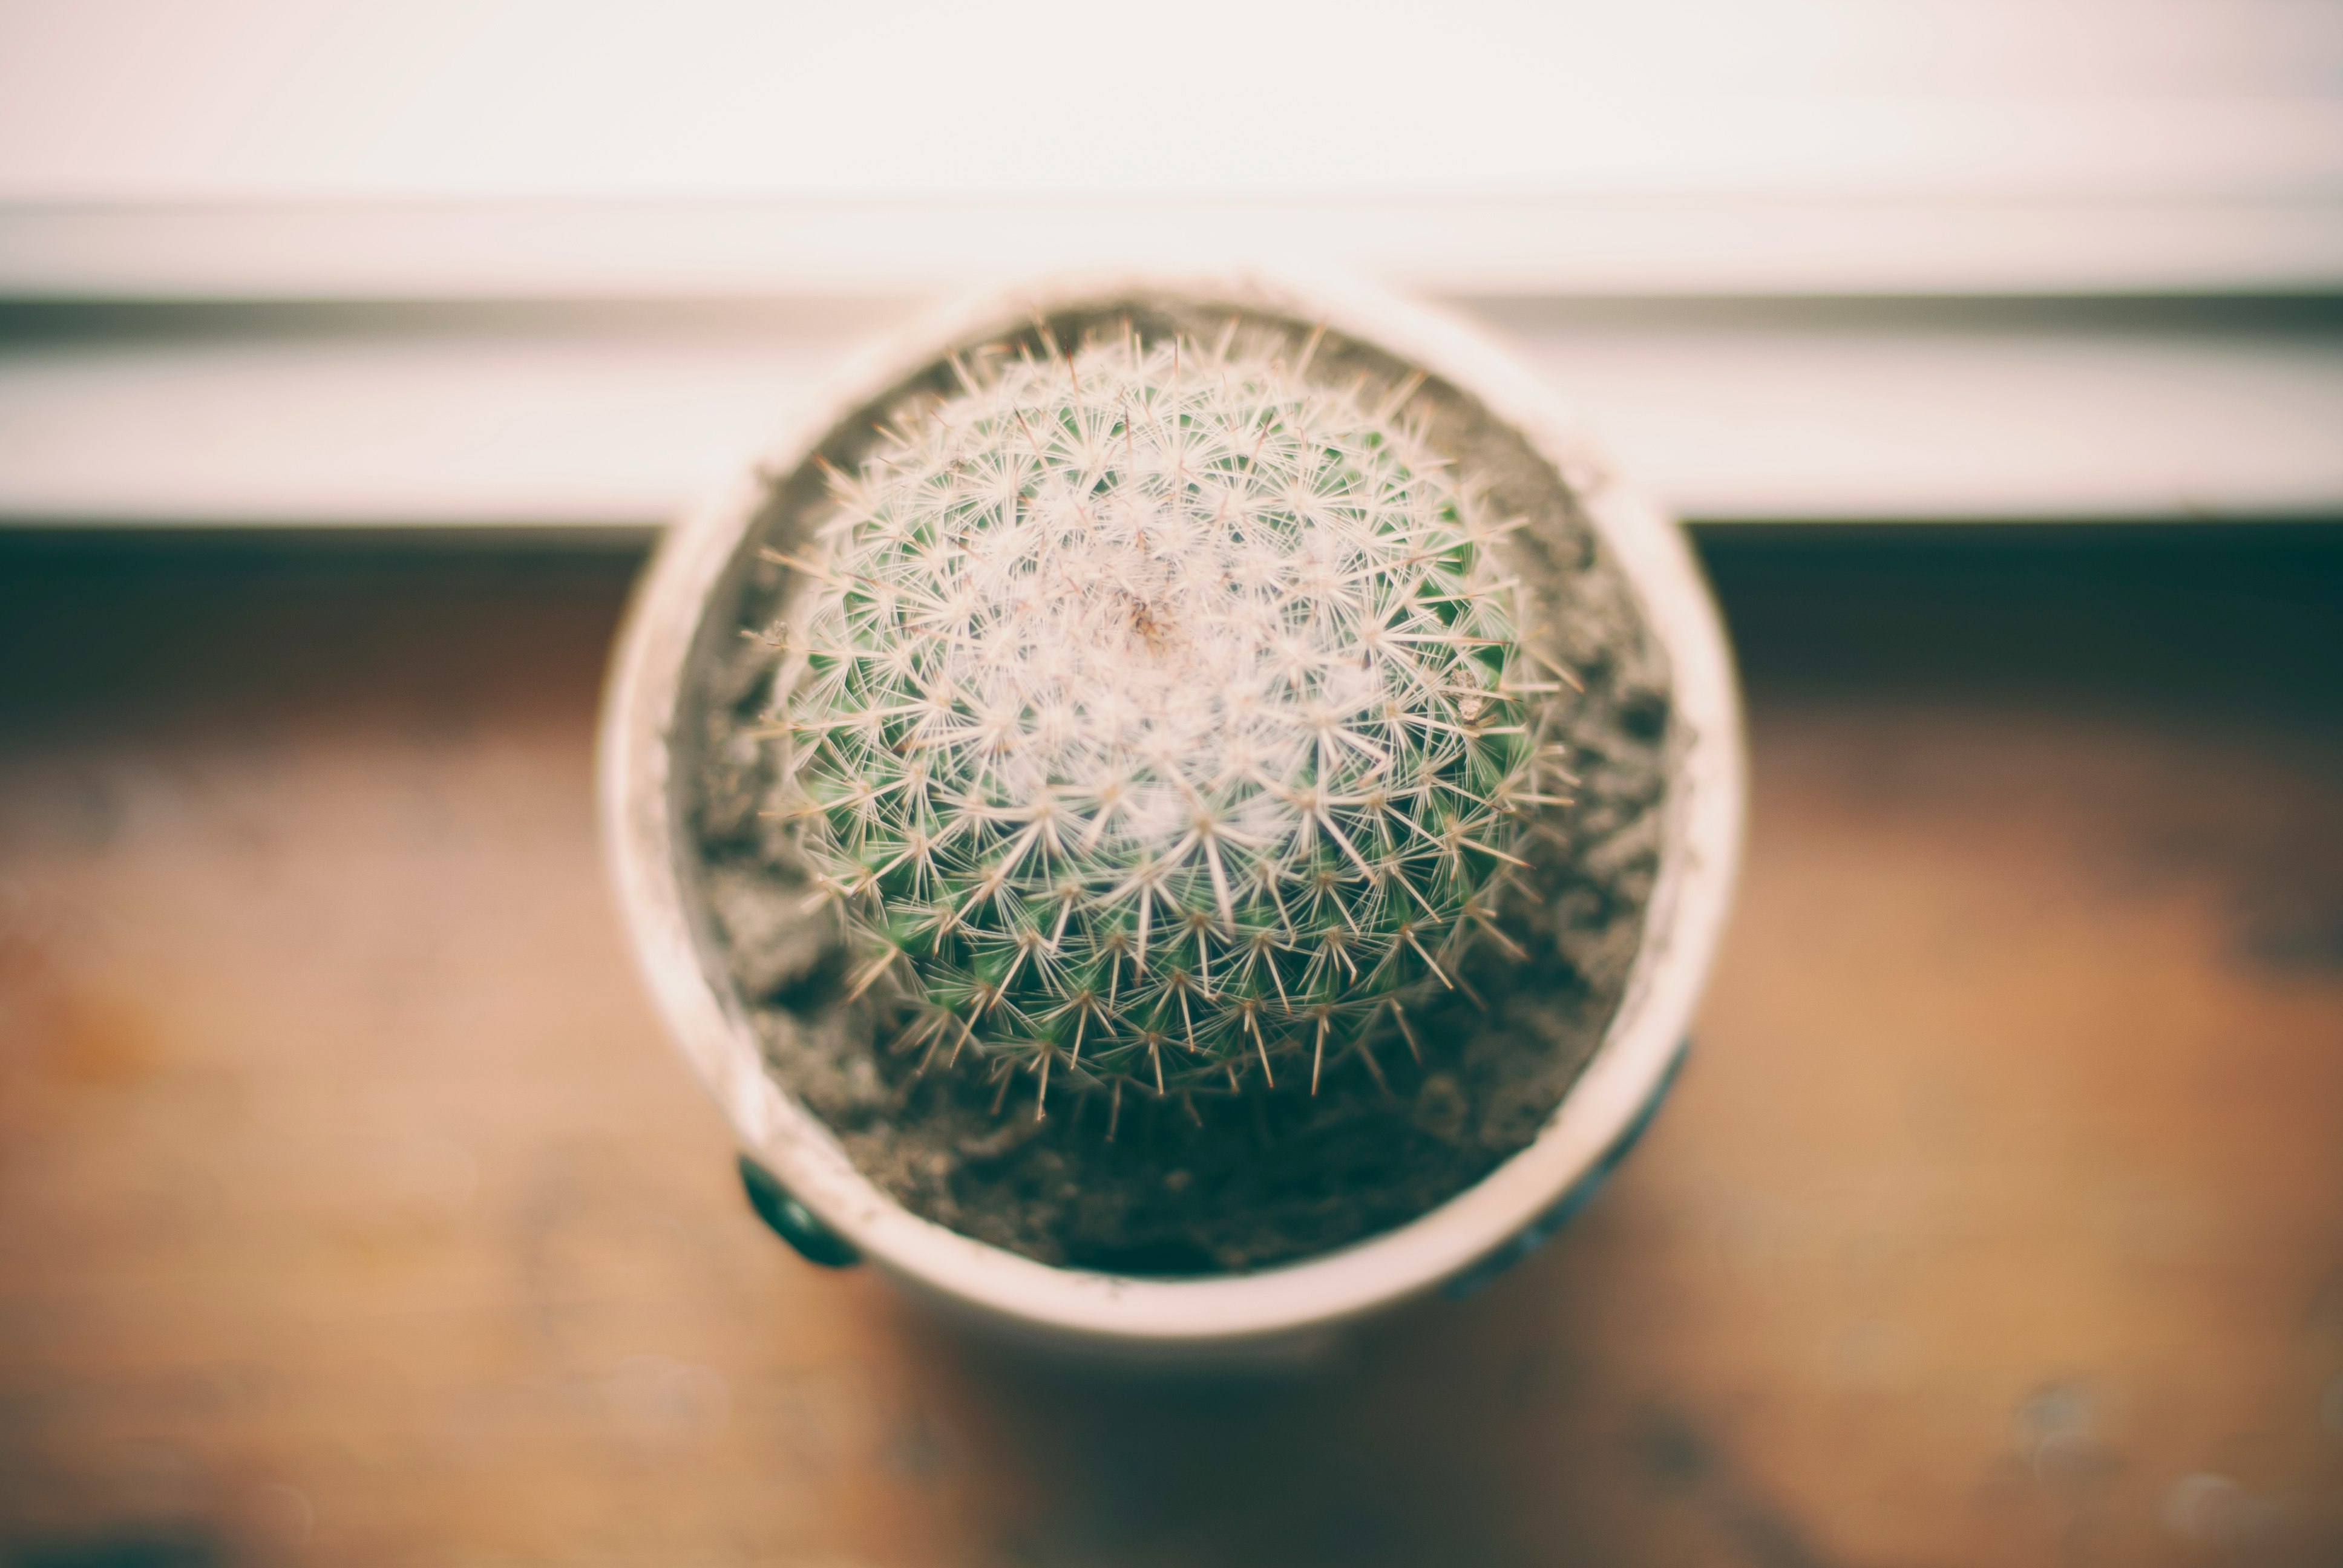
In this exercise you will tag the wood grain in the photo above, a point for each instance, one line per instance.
(353, 1212)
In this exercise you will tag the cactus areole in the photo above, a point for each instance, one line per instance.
(1154, 713)
(1158, 782)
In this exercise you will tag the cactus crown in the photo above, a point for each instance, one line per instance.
(1154, 713)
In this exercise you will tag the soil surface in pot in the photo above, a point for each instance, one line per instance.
(1201, 1183)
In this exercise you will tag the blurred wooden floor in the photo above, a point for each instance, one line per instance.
(353, 1212)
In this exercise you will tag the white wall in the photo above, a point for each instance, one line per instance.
(813, 170)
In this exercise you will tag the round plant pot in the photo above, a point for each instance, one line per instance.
(687, 610)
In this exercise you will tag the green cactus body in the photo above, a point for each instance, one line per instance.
(1154, 714)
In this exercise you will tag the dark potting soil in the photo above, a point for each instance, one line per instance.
(1195, 1183)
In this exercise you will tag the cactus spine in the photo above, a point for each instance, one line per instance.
(1153, 713)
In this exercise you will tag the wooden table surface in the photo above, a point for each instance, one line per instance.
(354, 1211)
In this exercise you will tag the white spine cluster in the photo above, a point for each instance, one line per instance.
(1156, 714)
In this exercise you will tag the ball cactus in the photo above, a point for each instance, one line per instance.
(1156, 713)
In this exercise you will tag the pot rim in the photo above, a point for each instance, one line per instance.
(1683, 923)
